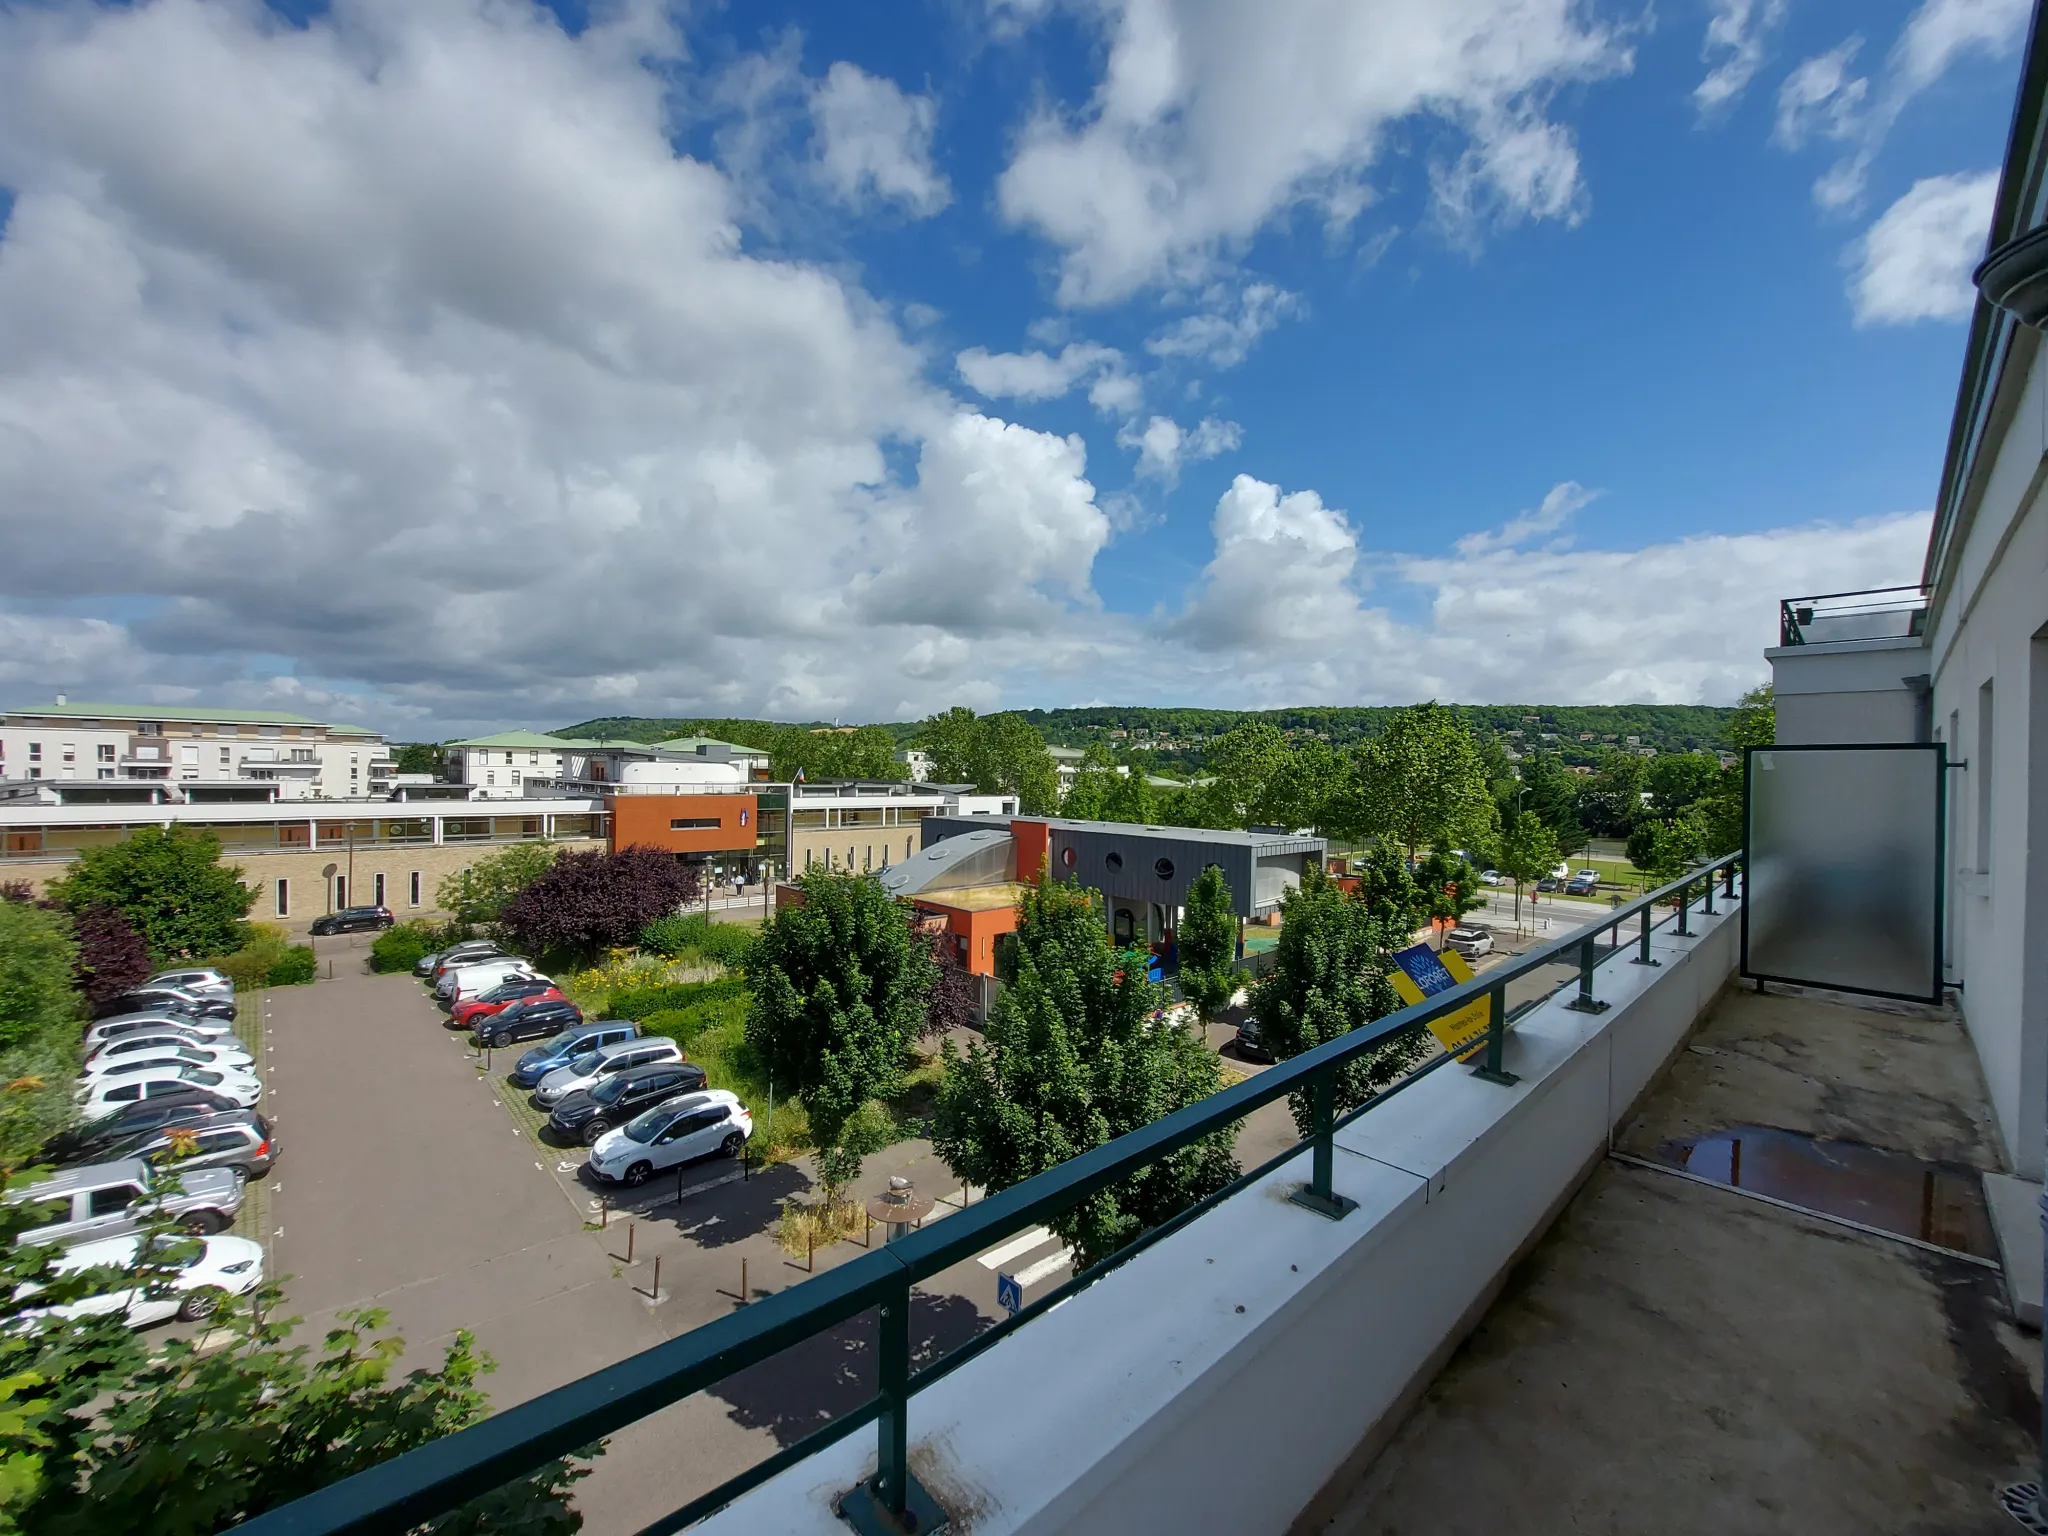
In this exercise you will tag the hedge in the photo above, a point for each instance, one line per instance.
(638, 1003)
(403, 946)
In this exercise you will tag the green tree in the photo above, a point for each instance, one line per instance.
(37, 957)
(1130, 798)
(1305, 789)
(1208, 941)
(1421, 781)
(1088, 794)
(1674, 846)
(1246, 766)
(1612, 800)
(170, 885)
(1551, 790)
(868, 752)
(1528, 852)
(998, 754)
(1755, 723)
(1450, 886)
(1389, 891)
(1330, 976)
(1722, 814)
(108, 1431)
(418, 757)
(840, 992)
(1676, 780)
(477, 896)
(1072, 1056)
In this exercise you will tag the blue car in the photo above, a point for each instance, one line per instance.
(570, 1043)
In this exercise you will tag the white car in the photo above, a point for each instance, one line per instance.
(106, 1092)
(203, 1031)
(229, 1054)
(593, 1067)
(1492, 877)
(172, 1054)
(1562, 872)
(1471, 942)
(202, 981)
(1587, 874)
(672, 1133)
(223, 1267)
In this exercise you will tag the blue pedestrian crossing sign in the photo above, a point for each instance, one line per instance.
(1009, 1294)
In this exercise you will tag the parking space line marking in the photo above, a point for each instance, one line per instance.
(1045, 1266)
(1022, 1243)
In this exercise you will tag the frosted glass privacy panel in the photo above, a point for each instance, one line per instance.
(1844, 868)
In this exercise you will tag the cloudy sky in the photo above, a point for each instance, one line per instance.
(444, 364)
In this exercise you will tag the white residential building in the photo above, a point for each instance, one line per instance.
(307, 759)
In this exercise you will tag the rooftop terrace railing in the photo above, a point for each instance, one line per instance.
(1881, 613)
(447, 1473)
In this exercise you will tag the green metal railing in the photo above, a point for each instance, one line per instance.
(449, 1472)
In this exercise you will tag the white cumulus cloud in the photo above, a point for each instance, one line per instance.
(1555, 510)
(1223, 334)
(1164, 445)
(1915, 261)
(1046, 376)
(1734, 46)
(875, 142)
(1212, 120)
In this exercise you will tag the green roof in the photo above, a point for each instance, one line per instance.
(527, 739)
(692, 743)
(166, 712)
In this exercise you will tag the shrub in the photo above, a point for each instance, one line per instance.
(249, 967)
(684, 935)
(590, 901)
(403, 946)
(294, 968)
(170, 885)
(684, 1025)
(36, 958)
(638, 1003)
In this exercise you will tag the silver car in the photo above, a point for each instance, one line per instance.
(201, 981)
(203, 1031)
(110, 1199)
(593, 1067)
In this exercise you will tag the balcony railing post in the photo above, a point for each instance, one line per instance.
(1728, 890)
(1317, 1195)
(1643, 953)
(892, 1501)
(1589, 956)
(1494, 1067)
(1707, 892)
(1684, 898)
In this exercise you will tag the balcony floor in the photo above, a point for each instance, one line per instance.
(1675, 1358)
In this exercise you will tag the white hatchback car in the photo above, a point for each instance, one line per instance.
(223, 1267)
(105, 1092)
(1492, 877)
(672, 1133)
(1471, 942)
(172, 1054)
(147, 1045)
(202, 981)
(593, 1067)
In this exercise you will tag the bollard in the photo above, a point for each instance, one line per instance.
(743, 1282)
(679, 1186)
(604, 1211)
(867, 1237)
(655, 1294)
(630, 1226)
(810, 1250)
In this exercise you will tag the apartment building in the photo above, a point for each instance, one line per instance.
(872, 824)
(503, 765)
(306, 759)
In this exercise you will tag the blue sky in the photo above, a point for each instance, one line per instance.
(452, 366)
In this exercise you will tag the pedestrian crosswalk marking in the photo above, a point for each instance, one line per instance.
(1022, 1243)
(1052, 1263)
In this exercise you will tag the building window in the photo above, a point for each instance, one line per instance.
(226, 756)
(508, 759)
(106, 773)
(70, 751)
(515, 778)
(35, 751)
(490, 778)
(693, 824)
(415, 884)
(377, 882)
(533, 759)
(284, 898)
(35, 773)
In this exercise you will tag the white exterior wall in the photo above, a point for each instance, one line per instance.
(1846, 692)
(54, 740)
(501, 771)
(203, 751)
(1991, 626)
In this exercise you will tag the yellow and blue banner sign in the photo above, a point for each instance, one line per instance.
(1421, 972)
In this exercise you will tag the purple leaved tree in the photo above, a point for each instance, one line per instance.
(111, 955)
(591, 901)
(955, 993)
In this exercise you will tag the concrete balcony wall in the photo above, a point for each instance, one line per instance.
(1224, 1378)
(1848, 692)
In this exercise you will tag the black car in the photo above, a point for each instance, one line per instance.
(588, 1113)
(144, 1000)
(532, 1020)
(353, 920)
(87, 1143)
(240, 1140)
(1250, 1045)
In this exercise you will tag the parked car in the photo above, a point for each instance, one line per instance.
(670, 1134)
(166, 1000)
(594, 1066)
(424, 966)
(148, 1079)
(201, 981)
(588, 1113)
(352, 920)
(1562, 872)
(230, 1055)
(1470, 942)
(1587, 874)
(565, 1047)
(457, 959)
(241, 1141)
(181, 1055)
(203, 1031)
(1580, 886)
(518, 990)
(464, 982)
(1547, 883)
(533, 1019)
(1492, 877)
(109, 1199)
(1250, 1044)
(222, 1267)
(89, 1141)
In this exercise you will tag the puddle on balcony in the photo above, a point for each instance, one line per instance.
(1887, 1190)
